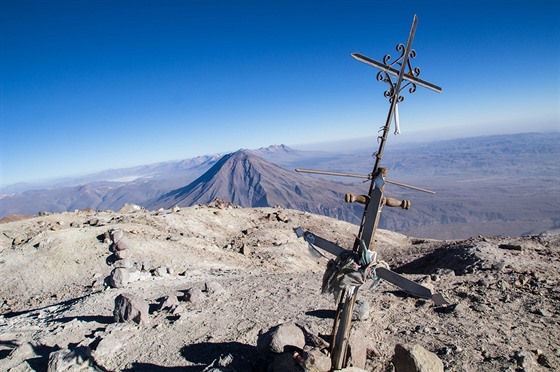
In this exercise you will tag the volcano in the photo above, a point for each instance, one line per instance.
(247, 180)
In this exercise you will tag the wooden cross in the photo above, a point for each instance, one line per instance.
(363, 255)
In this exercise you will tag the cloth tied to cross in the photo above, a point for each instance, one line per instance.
(350, 270)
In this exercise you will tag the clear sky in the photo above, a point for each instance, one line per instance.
(92, 85)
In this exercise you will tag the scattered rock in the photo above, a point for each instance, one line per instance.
(213, 288)
(124, 254)
(131, 208)
(281, 338)
(358, 345)
(108, 345)
(282, 217)
(94, 222)
(161, 271)
(415, 358)
(481, 308)
(361, 310)
(175, 209)
(315, 360)
(124, 263)
(116, 235)
(194, 295)
(121, 245)
(119, 277)
(130, 308)
(136, 275)
(525, 360)
(168, 302)
(66, 360)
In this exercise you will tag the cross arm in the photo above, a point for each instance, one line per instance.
(395, 72)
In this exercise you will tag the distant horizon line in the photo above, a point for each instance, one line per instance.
(341, 145)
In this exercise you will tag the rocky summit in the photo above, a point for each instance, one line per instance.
(224, 288)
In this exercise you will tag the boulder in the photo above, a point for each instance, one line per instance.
(415, 358)
(281, 338)
(130, 308)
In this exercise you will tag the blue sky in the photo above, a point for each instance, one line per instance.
(92, 85)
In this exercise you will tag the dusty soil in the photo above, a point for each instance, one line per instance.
(505, 291)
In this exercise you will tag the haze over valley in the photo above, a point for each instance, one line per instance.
(494, 185)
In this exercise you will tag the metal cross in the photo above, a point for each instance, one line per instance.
(363, 257)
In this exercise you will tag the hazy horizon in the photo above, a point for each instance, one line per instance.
(349, 145)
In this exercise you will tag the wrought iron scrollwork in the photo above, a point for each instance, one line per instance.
(383, 76)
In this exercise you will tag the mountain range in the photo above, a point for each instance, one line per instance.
(493, 185)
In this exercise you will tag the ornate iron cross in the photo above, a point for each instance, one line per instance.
(352, 267)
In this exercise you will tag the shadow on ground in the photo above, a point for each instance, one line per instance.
(206, 353)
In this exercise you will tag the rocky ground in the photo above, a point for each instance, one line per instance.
(215, 277)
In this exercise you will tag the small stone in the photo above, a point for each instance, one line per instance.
(160, 271)
(213, 288)
(194, 295)
(108, 346)
(543, 312)
(122, 244)
(415, 358)
(281, 338)
(134, 275)
(125, 263)
(124, 254)
(168, 302)
(525, 360)
(481, 308)
(499, 266)
(66, 360)
(358, 345)
(316, 361)
(146, 265)
(130, 308)
(544, 361)
(175, 209)
(130, 208)
(75, 224)
(361, 310)
(245, 249)
(93, 222)
(119, 277)
(178, 310)
(282, 217)
(116, 234)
